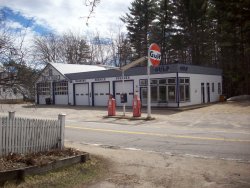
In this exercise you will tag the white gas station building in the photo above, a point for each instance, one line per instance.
(172, 85)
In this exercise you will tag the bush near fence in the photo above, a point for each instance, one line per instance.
(23, 135)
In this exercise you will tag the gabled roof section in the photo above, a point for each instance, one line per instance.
(75, 68)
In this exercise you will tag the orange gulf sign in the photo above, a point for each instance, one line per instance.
(154, 55)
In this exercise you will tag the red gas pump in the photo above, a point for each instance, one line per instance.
(111, 106)
(136, 106)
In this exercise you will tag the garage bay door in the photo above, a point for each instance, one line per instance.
(100, 93)
(128, 88)
(82, 94)
(61, 93)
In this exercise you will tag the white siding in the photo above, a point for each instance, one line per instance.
(195, 88)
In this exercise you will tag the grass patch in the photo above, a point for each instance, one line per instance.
(79, 174)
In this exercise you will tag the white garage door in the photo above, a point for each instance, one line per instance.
(82, 94)
(101, 93)
(128, 88)
(61, 93)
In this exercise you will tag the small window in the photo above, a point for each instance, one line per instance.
(182, 80)
(162, 81)
(154, 81)
(143, 82)
(171, 81)
(171, 93)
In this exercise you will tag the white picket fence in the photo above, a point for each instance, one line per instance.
(22, 135)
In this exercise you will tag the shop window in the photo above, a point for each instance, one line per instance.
(171, 93)
(184, 89)
(187, 92)
(61, 88)
(154, 93)
(182, 93)
(162, 93)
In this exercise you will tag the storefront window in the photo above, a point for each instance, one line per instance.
(162, 93)
(184, 89)
(187, 92)
(162, 90)
(171, 93)
(182, 92)
(154, 93)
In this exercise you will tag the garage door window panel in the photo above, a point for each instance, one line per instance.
(61, 88)
(44, 88)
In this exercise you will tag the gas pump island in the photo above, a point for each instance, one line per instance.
(154, 57)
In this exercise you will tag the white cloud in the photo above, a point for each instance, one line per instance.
(64, 15)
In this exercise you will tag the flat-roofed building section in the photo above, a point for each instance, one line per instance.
(172, 85)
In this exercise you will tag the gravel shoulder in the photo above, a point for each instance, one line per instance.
(128, 168)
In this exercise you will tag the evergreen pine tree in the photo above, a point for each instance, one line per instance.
(139, 25)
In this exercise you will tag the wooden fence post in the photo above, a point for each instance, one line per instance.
(61, 118)
(11, 114)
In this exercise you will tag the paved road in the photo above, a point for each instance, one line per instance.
(160, 136)
(219, 131)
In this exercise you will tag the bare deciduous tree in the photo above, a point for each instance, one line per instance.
(74, 49)
(47, 48)
(69, 48)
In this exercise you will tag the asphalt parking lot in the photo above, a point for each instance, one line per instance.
(228, 115)
(219, 130)
(191, 147)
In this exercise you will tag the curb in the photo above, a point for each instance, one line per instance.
(19, 174)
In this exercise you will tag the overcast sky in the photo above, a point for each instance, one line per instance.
(61, 15)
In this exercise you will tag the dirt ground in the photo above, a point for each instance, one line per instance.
(128, 168)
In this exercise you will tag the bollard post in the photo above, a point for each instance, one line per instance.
(11, 114)
(61, 119)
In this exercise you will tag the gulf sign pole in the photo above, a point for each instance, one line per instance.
(154, 58)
